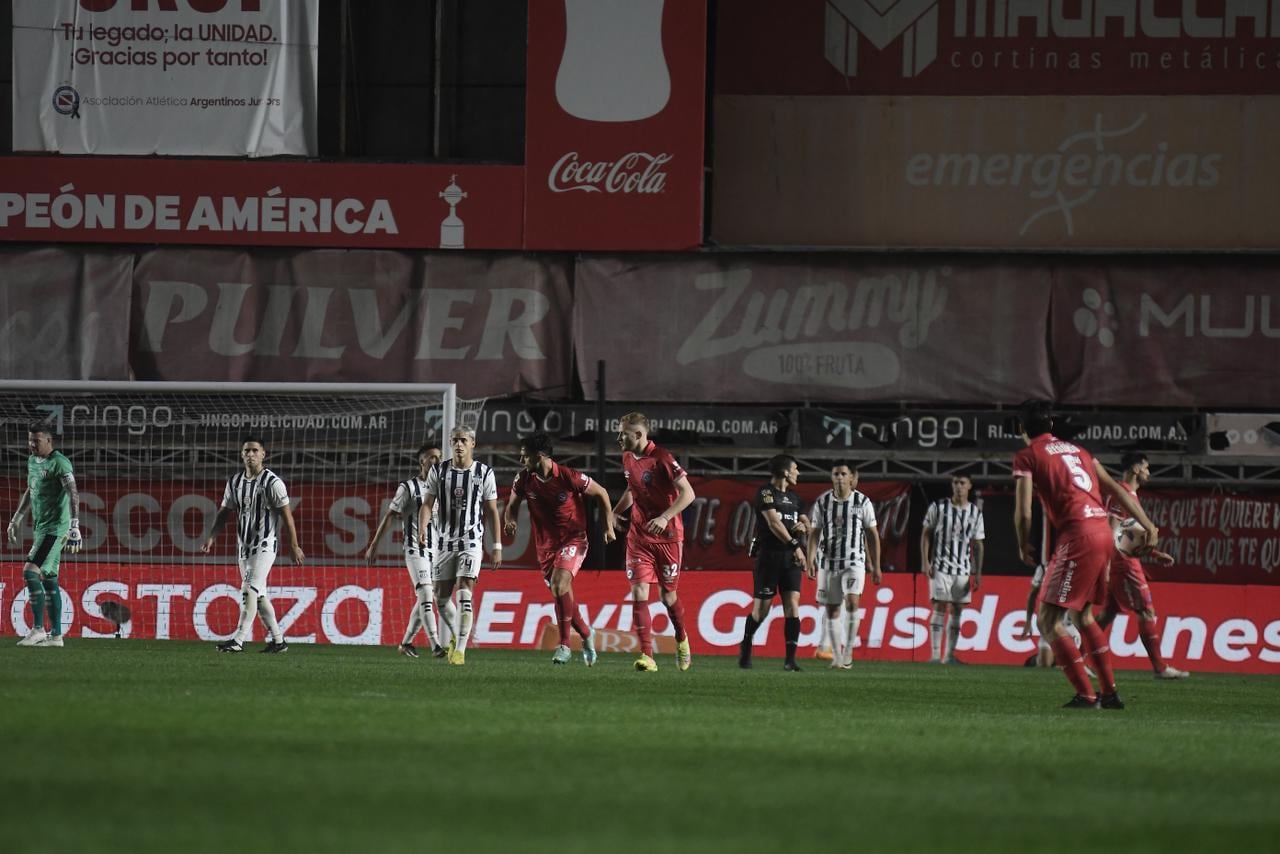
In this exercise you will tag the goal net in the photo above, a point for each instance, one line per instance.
(151, 462)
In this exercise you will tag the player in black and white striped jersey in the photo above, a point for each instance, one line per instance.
(951, 549)
(406, 506)
(261, 504)
(465, 490)
(843, 530)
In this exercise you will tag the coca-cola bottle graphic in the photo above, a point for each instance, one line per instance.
(613, 68)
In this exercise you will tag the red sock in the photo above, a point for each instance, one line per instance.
(1151, 640)
(676, 613)
(644, 628)
(562, 617)
(1095, 643)
(1067, 655)
(572, 617)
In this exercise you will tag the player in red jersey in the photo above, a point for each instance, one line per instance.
(1127, 584)
(558, 517)
(1067, 480)
(657, 492)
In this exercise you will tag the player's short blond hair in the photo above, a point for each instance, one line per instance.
(463, 430)
(636, 418)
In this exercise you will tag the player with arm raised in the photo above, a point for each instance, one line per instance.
(54, 500)
(844, 533)
(466, 492)
(260, 501)
(951, 553)
(657, 492)
(1127, 584)
(557, 514)
(406, 506)
(1069, 482)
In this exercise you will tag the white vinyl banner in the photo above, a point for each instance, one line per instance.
(196, 77)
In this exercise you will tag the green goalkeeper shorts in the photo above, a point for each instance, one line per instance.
(47, 553)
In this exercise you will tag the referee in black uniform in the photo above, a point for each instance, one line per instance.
(780, 560)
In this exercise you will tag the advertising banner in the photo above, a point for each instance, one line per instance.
(1195, 333)
(1216, 535)
(721, 521)
(62, 313)
(996, 172)
(1244, 434)
(615, 124)
(995, 47)
(494, 324)
(239, 203)
(506, 421)
(773, 328)
(1203, 627)
(206, 77)
(984, 431)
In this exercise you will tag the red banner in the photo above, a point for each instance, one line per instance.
(1193, 333)
(731, 329)
(62, 314)
(246, 203)
(720, 522)
(980, 47)
(1204, 627)
(493, 324)
(615, 107)
(1234, 538)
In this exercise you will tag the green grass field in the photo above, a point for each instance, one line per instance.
(164, 746)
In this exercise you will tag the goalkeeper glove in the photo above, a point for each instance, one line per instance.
(74, 540)
(14, 525)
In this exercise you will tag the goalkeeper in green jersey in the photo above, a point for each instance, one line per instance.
(55, 516)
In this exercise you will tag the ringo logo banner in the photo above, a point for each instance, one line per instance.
(208, 77)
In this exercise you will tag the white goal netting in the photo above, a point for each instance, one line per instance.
(151, 461)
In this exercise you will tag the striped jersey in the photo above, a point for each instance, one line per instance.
(257, 502)
(408, 503)
(460, 497)
(842, 527)
(954, 528)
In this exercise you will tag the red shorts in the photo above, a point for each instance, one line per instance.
(1077, 572)
(650, 562)
(1128, 585)
(568, 556)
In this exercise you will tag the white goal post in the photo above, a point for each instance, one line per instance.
(151, 461)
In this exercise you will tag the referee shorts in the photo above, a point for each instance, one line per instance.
(776, 572)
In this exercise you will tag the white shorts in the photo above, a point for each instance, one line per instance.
(254, 569)
(461, 564)
(950, 588)
(419, 569)
(836, 584)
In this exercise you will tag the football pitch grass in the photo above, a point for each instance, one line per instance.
(137, 746)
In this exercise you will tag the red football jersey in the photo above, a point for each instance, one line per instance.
(556, 507)
(1065, 481)
(652, 478)
(1114, 509)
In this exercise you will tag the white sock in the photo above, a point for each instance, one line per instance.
(953, 634)
(268, 614)
(447, 614)
(248, 608)
(415, 619)
(463, 632)
(426, 612)
(935, 634)
(828, 634)
(1073, 631)
(850, 635)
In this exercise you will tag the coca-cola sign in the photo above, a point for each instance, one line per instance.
(615, 125)
(637, 172)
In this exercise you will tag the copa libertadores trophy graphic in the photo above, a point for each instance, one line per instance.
(451, 225)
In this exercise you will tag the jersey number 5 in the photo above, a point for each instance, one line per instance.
(1079, 476)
